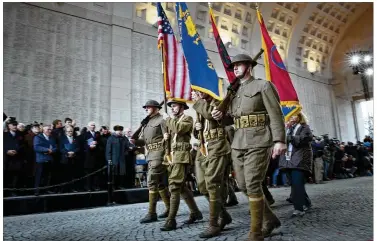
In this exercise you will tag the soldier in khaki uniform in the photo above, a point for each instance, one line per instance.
(231, 195)
(256, 112)
(152, 137)
(178, 136)
(211, 167)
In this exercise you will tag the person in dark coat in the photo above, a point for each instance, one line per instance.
(105, 134)
(14, 155)
(69, 149)
(130, 160)
(81, 158)
(93, 156)
(57, 133)
(116, 150)
(30, 154)
(297, 162)
(45, 147)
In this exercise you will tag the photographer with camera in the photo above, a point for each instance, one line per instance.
(329, 159)
(318, 146)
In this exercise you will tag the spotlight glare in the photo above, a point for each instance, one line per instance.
(369, 71)
(367, 58)
(355, 59)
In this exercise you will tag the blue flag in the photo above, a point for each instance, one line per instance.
(203, 76)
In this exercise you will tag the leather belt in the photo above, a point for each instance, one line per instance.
(157, 146)
(217, 133)
(251, 121)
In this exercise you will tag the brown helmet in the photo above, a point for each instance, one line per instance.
(185, 106)
(152, 103)
(243, 58)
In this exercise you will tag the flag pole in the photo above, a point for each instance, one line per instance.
(163, 78)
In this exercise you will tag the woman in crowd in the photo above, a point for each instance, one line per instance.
(297, 162)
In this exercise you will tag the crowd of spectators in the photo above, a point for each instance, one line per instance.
(332, 159)
(38, 154)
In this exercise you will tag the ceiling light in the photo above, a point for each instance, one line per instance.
(369, 71)
(355, 59)
(367, 58)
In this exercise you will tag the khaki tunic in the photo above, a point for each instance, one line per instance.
(153, 133)
(258, 96)
(180, 129)
(217, 160)
(252, 146)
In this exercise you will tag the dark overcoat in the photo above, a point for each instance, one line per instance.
(302, 153)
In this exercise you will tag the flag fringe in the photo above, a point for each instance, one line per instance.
(292, 113)
(194, 87)
(290, 103)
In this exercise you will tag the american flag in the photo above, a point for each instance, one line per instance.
(176, 75)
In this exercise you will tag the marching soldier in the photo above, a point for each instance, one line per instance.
(256, 113)
(212, 168)
(179, 160)
(152, 137)
(231, 195)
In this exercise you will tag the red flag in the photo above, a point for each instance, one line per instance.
(225, 58)
(278, 74)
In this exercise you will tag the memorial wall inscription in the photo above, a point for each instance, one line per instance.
(55, 66)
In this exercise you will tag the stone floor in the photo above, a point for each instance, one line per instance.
(342, 210)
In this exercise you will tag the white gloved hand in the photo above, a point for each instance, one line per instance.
(198, 126)
(165, 116)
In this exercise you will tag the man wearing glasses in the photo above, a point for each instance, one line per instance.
(44, 147)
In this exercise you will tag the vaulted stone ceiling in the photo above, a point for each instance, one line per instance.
(306, 34)
(358, 37)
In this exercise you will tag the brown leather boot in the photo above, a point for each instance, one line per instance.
(193, 218)
(149, 218)
(195, 214)
(166, 199)
(213, 229)
(256, 204)
(170, 223)
(224, 218)
(151, 215)
(270, 221)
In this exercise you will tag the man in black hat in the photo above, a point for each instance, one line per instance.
(151, 136)
(116, 149)
(180, 128)
(14, 155)
(260, 132)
